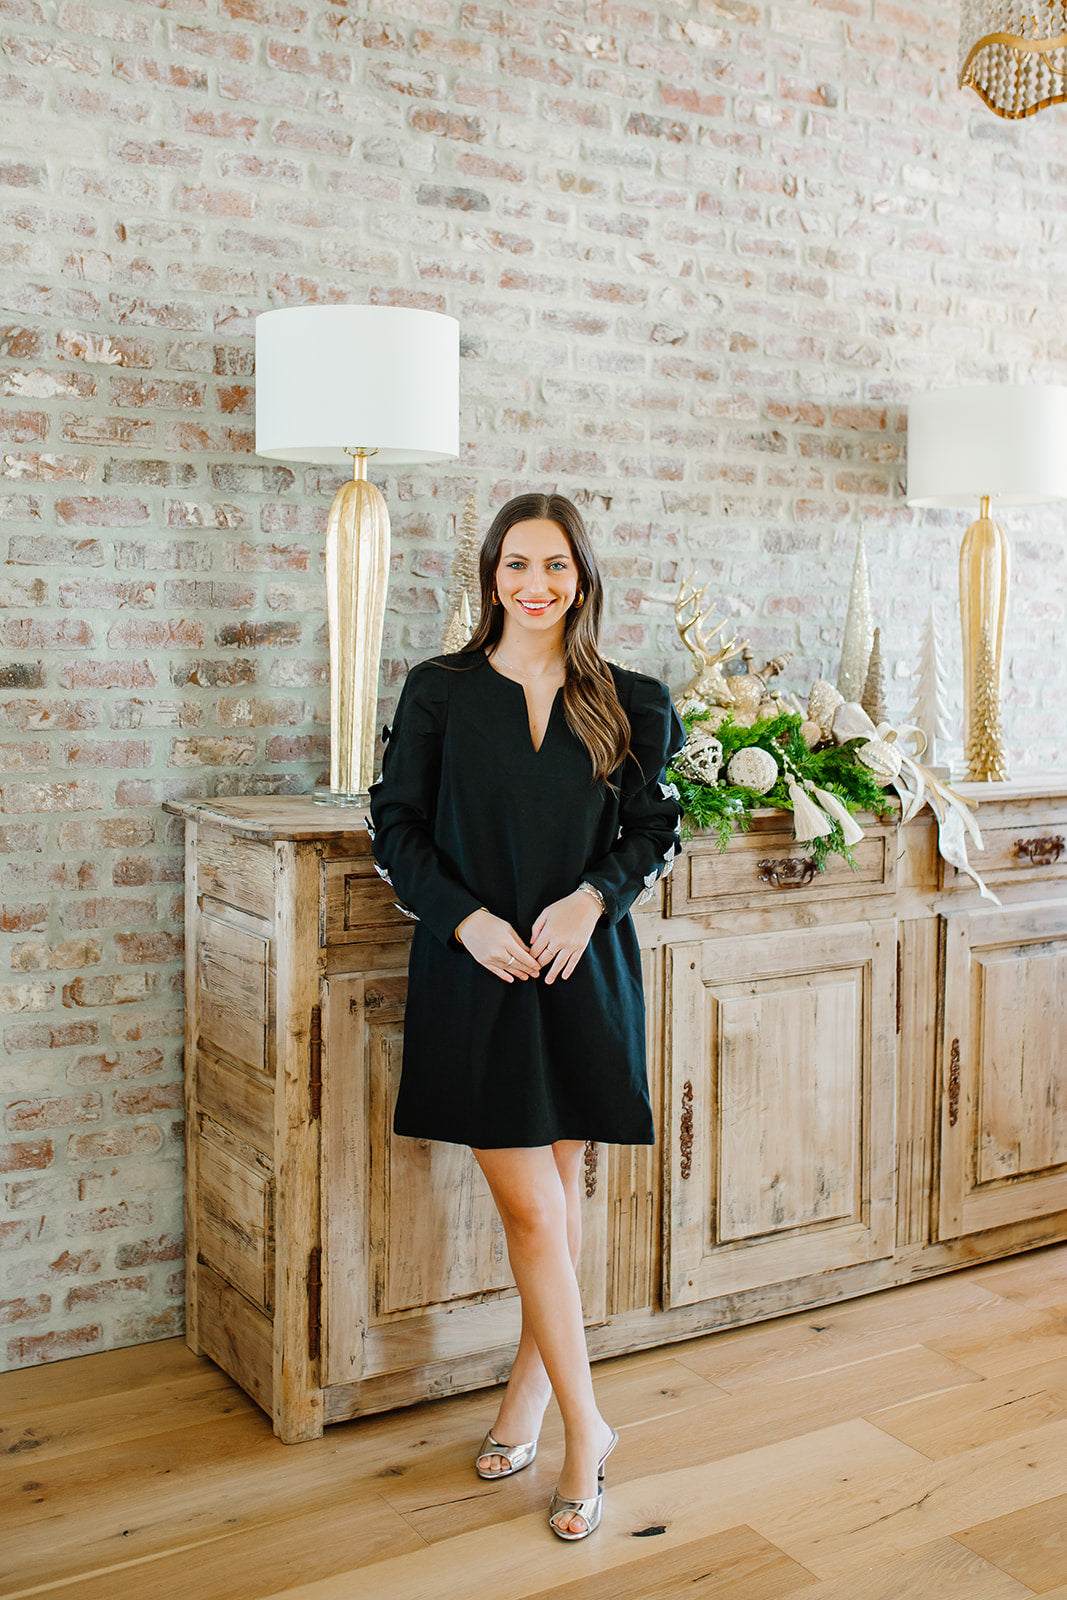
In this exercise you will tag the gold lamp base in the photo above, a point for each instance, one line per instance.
(985, 566)
(357, 577)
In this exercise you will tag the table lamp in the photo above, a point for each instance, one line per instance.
(1004, 443)
(358, 381)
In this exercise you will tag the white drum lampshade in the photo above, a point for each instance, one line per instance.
(1005, 443)
(334, 382)
(332, 378)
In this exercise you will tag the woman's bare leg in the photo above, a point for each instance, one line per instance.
(529, 1194)
(523, 1404)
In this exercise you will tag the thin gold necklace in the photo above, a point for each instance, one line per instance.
(518, 670)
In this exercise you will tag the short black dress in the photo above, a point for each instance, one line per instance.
(467, 814)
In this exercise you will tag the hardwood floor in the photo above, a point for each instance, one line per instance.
(910, 1444)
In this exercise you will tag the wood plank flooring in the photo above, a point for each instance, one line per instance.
(908, 1446)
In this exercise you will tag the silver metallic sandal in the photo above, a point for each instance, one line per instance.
(516, 1455)
(589, 1510)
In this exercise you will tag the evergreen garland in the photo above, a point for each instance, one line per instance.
(725, 809)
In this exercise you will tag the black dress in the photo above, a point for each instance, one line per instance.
(467, 814)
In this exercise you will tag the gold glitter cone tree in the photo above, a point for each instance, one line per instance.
(859, 631)
(464, 592)
(985, 743)
(873, 701)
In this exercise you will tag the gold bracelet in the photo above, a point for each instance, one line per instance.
(455, 931)
(591, 888)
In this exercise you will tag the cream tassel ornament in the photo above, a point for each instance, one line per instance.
(851, 831)
(809, 820)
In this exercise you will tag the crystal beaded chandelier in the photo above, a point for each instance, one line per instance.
(1014, 54)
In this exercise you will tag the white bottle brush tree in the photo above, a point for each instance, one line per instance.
(930, 704)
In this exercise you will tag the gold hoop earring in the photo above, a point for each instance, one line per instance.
(496, 598)
(580, 600)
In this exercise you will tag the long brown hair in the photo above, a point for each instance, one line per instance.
(590, 701)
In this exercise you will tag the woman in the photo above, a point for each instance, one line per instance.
(520, 812)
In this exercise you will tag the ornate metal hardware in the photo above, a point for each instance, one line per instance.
(685, 1131)
(787, 873)
(314, 1301)
(1040, 852)
(315, 1063)
(954, 1084)
(590, 1168)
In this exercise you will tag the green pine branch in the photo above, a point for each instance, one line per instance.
(725, 809)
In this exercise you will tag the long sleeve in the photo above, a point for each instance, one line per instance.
(649, 813)
(403, 806)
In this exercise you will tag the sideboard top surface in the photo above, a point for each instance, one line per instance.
(296, 816)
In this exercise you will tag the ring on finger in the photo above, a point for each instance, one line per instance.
(510, 961)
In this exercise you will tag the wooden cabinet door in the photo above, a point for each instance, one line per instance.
(415, 1265)
(781, 1119)
(1003, 1068)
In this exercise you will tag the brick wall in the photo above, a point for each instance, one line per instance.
(700, 254)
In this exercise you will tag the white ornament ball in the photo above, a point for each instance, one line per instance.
(753, 768)
(882, 760)
(769, 708)
(811, 733)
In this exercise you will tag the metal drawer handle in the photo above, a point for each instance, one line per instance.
(787, 872)
(954, 1084)
(1040, 852)
(590, 1168)
(685, 1129)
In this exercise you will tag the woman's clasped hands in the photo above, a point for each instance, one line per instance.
(557, 940)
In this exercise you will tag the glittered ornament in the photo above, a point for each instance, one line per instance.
(748, 690)
(823, 702)
(753, 768)
(701, 758)
(811, 733)
(881, 759)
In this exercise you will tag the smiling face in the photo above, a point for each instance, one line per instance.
(536, 576)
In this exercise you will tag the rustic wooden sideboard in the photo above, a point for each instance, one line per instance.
(859, 1078)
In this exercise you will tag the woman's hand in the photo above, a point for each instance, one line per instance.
(496, 946)
(562, 932)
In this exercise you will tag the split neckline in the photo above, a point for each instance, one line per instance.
(535, 749)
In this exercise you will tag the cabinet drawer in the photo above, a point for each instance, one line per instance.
(1026, 854)
(769, 867)
(355, 905)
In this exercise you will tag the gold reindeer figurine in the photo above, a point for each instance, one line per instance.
(744, 693)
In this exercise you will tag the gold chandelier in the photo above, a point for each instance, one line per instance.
(1014, 54)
